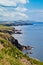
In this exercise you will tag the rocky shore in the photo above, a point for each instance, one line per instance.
(18, 45)
(11, 31)
(14, 41)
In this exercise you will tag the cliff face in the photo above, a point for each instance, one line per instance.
(8, 31)
(10, 53)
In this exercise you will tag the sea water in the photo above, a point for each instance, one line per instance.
(32, 35)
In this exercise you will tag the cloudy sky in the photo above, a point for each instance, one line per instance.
(11, 10)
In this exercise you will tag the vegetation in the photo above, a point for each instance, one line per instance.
(10, 55)
(2, 27)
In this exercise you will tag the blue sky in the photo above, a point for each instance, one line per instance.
(11, 10)
(35, 4)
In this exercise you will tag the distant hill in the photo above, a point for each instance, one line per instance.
(20, 22)
(16, 23)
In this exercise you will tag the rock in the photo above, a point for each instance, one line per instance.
(18, 45)
(29, 53)
(27, 47)
(15, 42)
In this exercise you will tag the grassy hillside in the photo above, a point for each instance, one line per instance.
(10, 54)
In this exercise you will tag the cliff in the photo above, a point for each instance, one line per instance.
(10, 53)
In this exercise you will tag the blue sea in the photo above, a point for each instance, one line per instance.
(32, 35)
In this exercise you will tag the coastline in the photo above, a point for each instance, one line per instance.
(17, 44)
(12, 49)
(14, 41)
(26, 47)
(22, 47)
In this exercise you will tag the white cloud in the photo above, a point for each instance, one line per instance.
(10, 13)
(5, 14)
(12, 2)
(8, 2)
(22, 1)
(21, 9)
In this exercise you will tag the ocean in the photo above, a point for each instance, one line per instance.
(32, 35)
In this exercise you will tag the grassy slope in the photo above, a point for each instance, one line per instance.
(10, 55)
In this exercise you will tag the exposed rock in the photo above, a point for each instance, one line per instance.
(8, 31)
(18, 45)
(15, 41)
(29, 53)
(27, 47)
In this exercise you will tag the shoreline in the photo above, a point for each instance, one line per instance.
(26, 47)
(21, 47)
(15, 41)
(12, 49)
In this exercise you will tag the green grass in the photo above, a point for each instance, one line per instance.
(7, 58)
(35, 61)
(9, 53)
(4, 27)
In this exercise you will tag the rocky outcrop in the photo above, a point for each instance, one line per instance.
(12, 31)
(27, 47)
(18, 45)
(14, 41)
(8, 31)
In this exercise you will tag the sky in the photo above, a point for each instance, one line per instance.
(11, 10)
